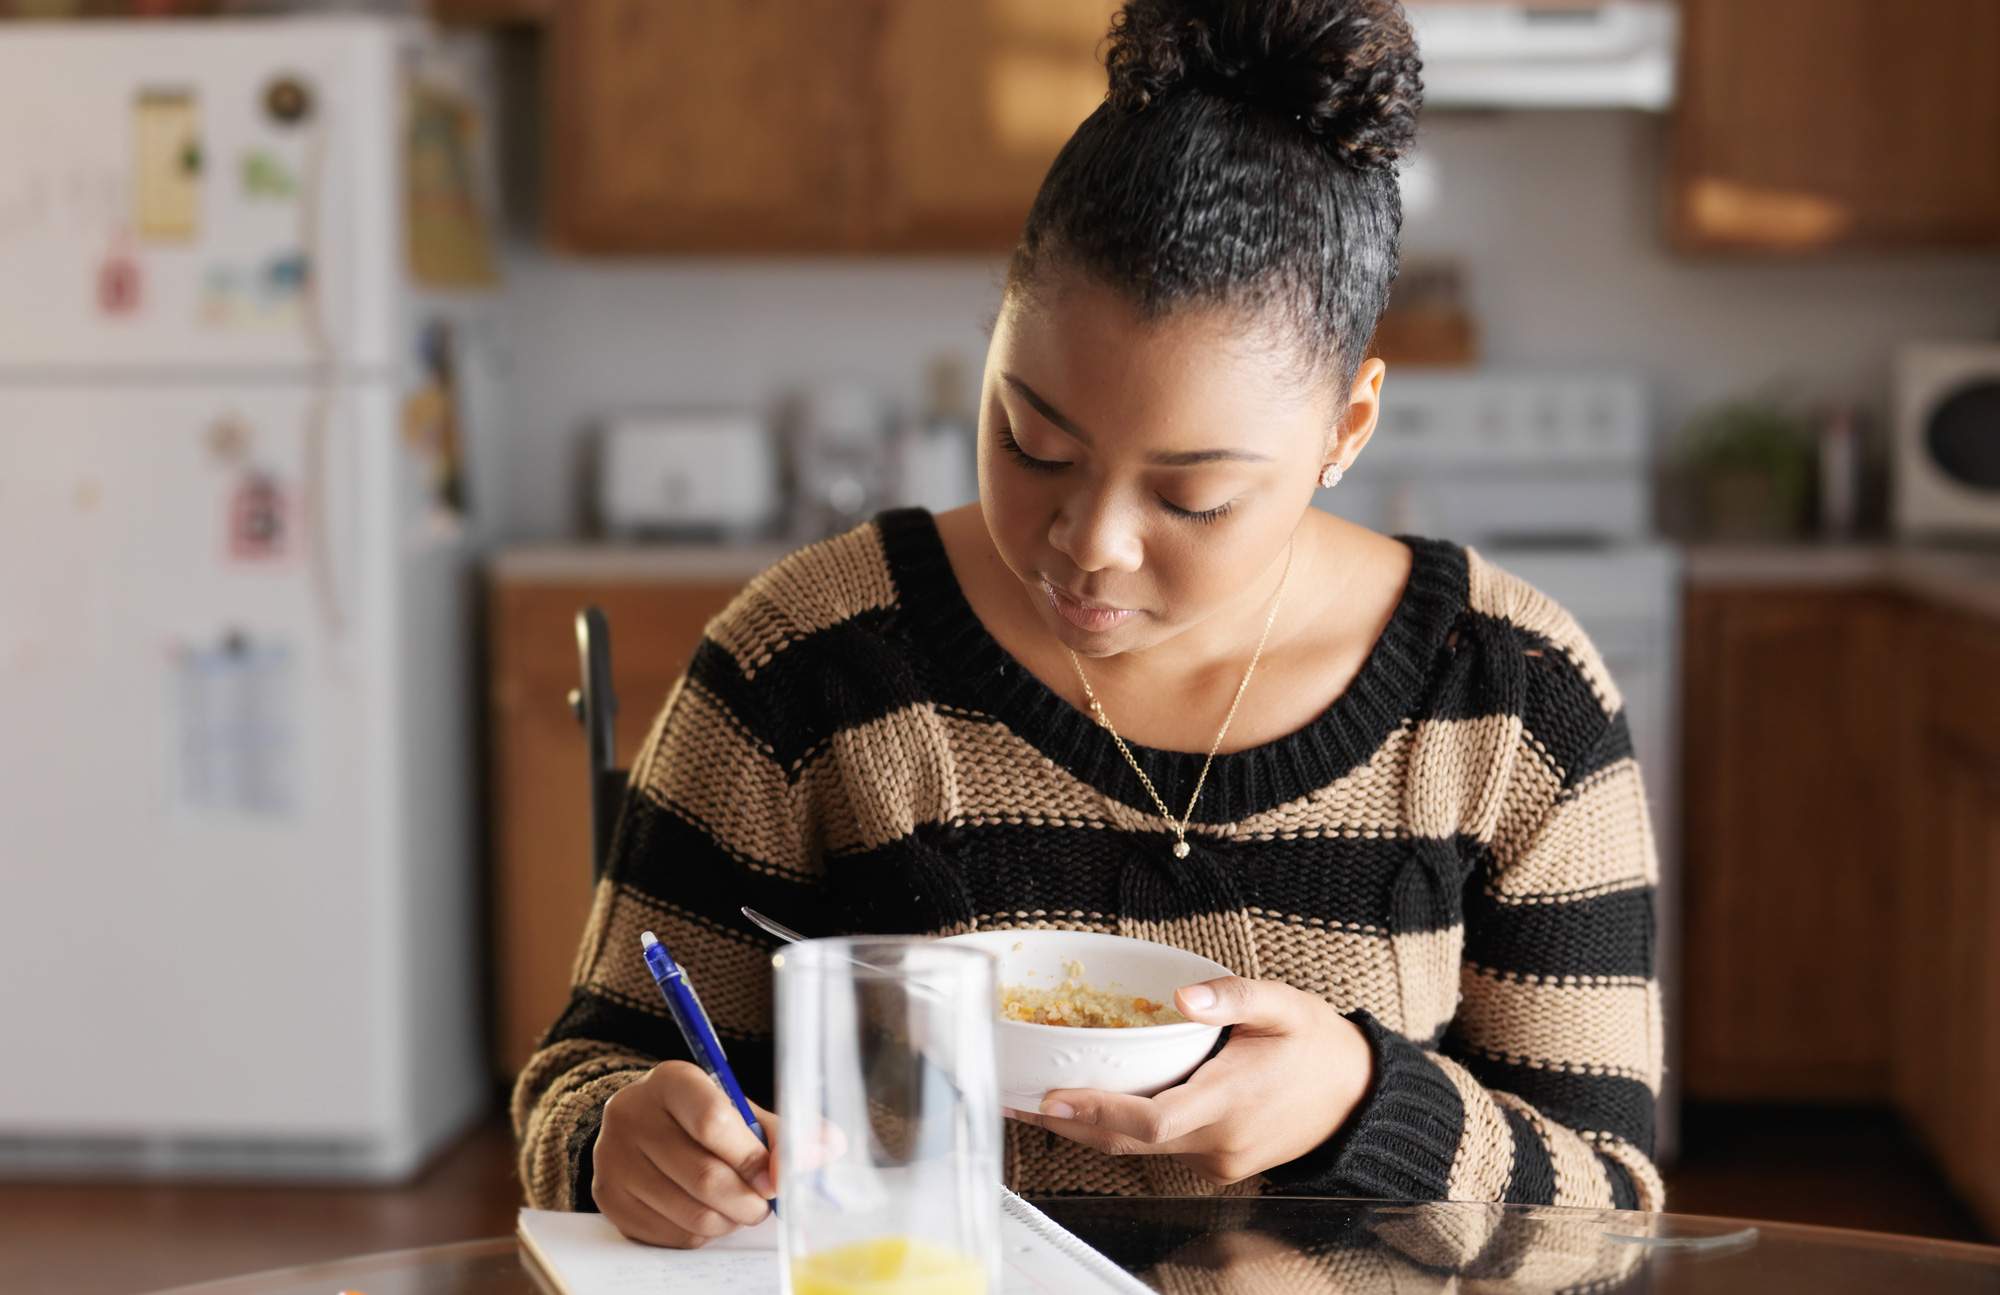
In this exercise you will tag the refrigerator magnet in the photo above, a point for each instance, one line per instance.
(118, 282)
(257, 517)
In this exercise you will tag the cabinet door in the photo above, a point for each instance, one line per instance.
(1791, 846)
(539, 790)
(977, 97)
(707, 125)
(1948, 1025)
(1810, 124)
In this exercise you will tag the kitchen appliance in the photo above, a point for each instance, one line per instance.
(1548, 475)
(843, 459)
(1479, 54)
(688, 475)
(240, 492)
(1946, 440)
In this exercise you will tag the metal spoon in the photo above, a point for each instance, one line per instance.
(789, 936)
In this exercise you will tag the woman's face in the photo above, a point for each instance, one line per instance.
(1140, 479)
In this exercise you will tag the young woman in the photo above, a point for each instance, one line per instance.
(1143, 686)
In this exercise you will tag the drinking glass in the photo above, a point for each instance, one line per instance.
(888, 1118)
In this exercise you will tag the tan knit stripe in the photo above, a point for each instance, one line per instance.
(1485, 1158)
(1002, 777)
(545, 1163)
(1597, 839)
(1533, 787)
(1427, 972)
(891, 773)
(731, 972)
(726, 784)
(1458, 774)
(1500, 593)
(1048, 919)
(813, 589)
(1567, 897)
(547, 1067)
(1583, 1028)
(1347, 968)
(1225, 937)
(1366, 801)
(1652, 1191)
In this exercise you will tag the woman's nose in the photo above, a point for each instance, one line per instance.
(1096, 535)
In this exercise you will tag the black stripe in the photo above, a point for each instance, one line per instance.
(1612, 745)
(1612, 1104)
(1561, 711)
(592, 1016)
(671, 860)
(1532, 1181)
(1624, 1192)
(1604, 935)
(1006, 868)
(832, 679)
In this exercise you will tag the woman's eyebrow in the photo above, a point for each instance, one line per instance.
(1165, 458)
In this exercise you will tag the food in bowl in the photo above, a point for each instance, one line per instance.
(1140, 1060)
(1075, 1002)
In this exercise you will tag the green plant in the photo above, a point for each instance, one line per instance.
(1740, 442)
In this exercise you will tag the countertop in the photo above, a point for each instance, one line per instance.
(1964, 578)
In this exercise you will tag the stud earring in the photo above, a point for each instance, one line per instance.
(1330, 476)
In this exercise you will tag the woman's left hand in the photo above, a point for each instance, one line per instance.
(1292, 1072)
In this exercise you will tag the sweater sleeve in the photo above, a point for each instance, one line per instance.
(1543, 1088)
(711, 821)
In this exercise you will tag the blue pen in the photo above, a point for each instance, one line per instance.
(700, 1035)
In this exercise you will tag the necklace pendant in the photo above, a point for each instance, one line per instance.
(1180, 849)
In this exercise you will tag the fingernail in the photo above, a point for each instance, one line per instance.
(1059, 1110)
(1199, 997)
(763, 1184)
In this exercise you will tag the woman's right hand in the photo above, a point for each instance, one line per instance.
(675, 1165)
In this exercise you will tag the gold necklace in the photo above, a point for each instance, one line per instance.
(1097, 711)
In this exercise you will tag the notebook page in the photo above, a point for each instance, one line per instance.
(584, 1254)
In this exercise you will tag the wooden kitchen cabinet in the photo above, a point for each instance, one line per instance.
(1947, 1039)
(1792, 843)
(709, 125)
(977, 97)
(1807, 125)
(538, 791)
(811, 126)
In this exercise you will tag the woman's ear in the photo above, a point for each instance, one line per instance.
(1362, 412)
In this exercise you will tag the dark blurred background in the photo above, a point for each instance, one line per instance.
(346, 351)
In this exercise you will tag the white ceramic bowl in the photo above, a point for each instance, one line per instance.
(1140, 1060)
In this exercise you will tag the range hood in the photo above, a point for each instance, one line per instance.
(1559, 54)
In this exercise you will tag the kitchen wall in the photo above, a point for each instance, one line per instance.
(1554, 216)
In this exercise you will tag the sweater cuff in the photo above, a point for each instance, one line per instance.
(1399, 1142)
(582, 1146)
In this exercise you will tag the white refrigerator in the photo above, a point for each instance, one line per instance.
(239, 494)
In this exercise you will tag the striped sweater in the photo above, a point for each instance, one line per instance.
(1456, 854)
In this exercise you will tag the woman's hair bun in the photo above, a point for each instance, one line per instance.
(1347, 70)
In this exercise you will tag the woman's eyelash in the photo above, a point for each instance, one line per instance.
(1028, 460)
(1204, 517)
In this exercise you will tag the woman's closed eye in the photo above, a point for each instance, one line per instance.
(1202, 516)
(1026, 459)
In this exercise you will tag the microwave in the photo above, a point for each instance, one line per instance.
(1945, 449)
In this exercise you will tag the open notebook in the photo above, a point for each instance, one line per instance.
(583, 1254)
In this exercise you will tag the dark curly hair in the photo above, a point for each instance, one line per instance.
(1245, 157)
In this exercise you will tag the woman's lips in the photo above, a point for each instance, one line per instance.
(1085, 616)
